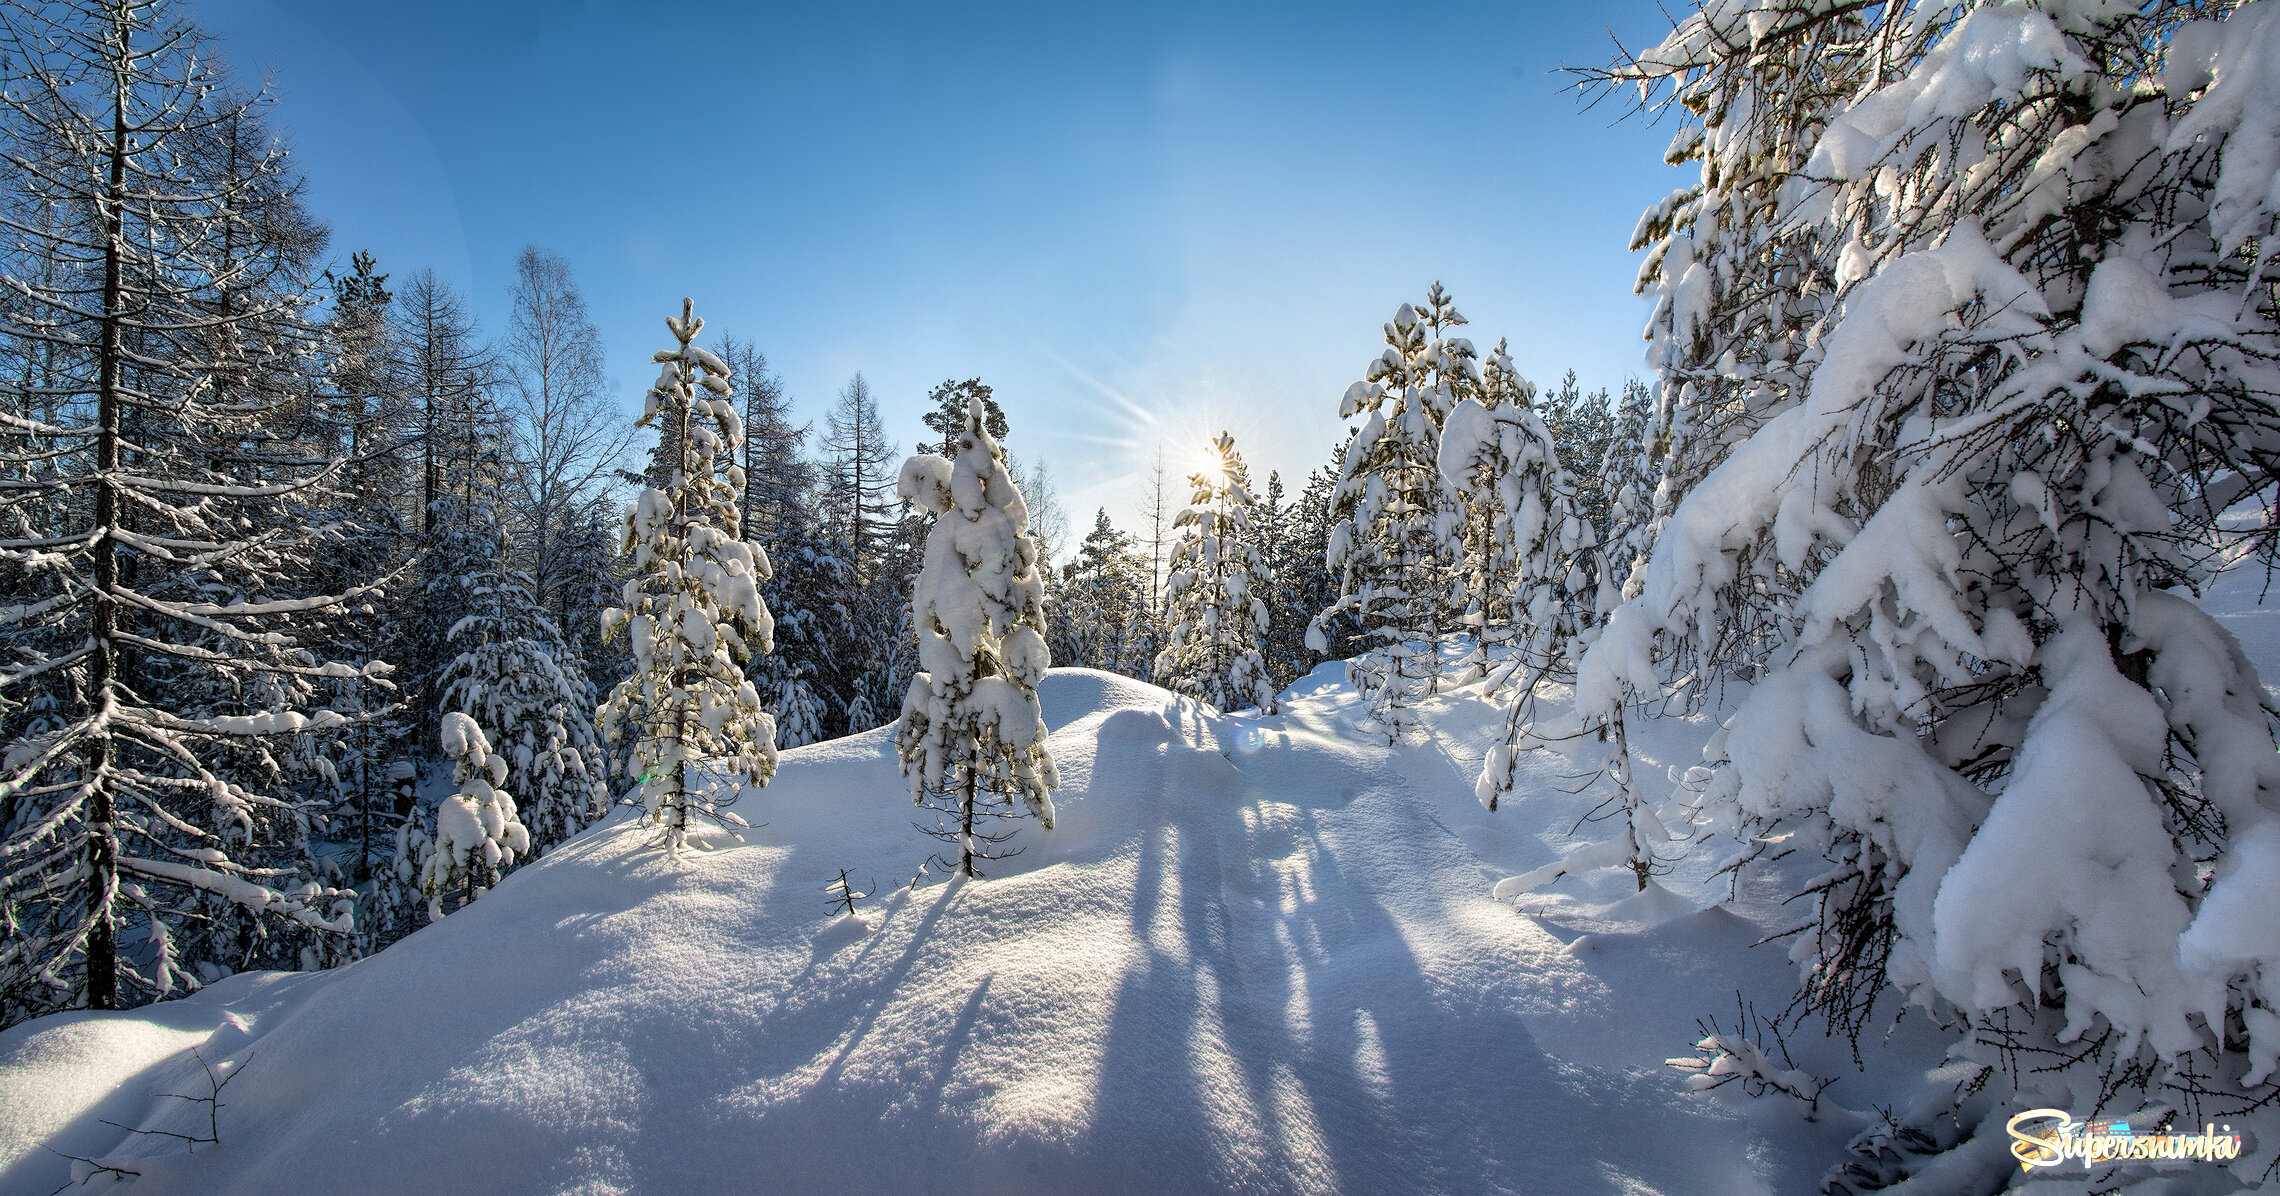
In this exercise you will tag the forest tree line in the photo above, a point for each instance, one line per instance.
(1964, 348)
(273, 517)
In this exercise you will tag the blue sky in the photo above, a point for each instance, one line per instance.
(1140, 223)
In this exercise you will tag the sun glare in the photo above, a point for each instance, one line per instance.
(1176, 427)
(1204, 460)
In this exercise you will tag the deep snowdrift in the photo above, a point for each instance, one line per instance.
(1256, 954)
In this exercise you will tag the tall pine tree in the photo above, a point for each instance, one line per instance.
(1398, 534)
(971, 737)
(1217, 593)
(692, 610)
(1103, 621)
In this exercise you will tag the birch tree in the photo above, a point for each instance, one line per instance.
(568, 441)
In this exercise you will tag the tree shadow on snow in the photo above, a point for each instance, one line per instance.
(1300, 1045)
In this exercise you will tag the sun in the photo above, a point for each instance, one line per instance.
(1203, 461)
(1146, 424)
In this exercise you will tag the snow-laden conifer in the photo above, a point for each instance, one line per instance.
(1628, 478)
(1399, 530)
(515, 675)
(2041, 783)
(374, 417)
(1279, 530)
(1301, 568)
(857, 487)
(692, 612)
(1532, 559)
(806, 589)
(1498, 458)
(477, 832)
(1582, 424)
(1101, 619)
(812, 628)
(462, 438)
(1216, 593)
(971, 738)
(1504, 461)
(1738, 287)
(777, 473)
(876, 674)
(946, 417)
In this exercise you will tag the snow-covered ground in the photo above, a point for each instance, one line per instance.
(1255, 955)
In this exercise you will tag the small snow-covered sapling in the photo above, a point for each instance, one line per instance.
(1723, 1056)
(843, 895)
(477, 831)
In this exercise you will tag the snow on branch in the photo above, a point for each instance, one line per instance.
(1738, 1055)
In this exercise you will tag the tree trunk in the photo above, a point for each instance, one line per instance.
(102, 950)
(677, 821)
(430, 468)
(966, 821)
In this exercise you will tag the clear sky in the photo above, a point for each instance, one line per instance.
(1141, 223)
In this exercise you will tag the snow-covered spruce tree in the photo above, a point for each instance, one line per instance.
(1529, 556)
(515, 676)
(477, 832)
(1504, 461)
(812, 630)
(1103, 613)
(1627, 477)
(2042, 783)
(1487, 570)
(692, 609)
(971, 738)
(1216, 593)
(1740, 291)
(1738, 288)
(154, 488)
(1398, 533)
(377, 420)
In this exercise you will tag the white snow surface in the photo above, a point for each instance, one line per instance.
(1256, 954)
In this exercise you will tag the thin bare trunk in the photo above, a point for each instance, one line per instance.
(102, 950)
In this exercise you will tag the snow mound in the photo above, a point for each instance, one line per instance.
(1070, 694)
(1256, 954)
